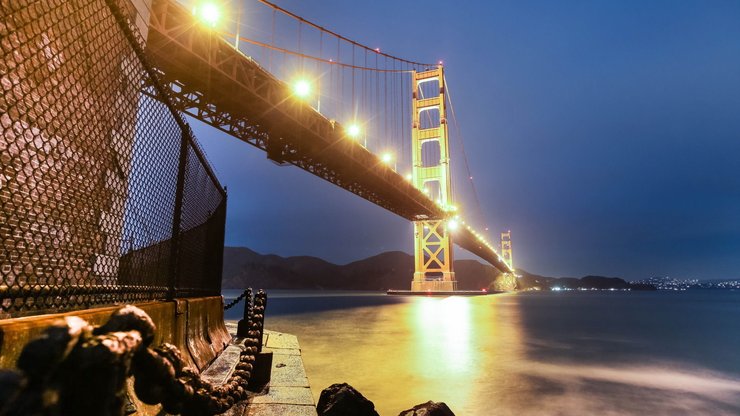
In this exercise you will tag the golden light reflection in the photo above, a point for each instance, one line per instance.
(464, 351)
(459, 347)
(444, 331)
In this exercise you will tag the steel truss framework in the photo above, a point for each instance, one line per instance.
(432, 240)
(506, 251)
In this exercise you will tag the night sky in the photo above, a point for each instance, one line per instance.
(604, 134)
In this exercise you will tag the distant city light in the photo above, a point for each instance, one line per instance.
(353, 130)
(209, 13)
(302, 88)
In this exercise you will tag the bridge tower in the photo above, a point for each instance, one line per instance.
(432, 240)
(506, 252)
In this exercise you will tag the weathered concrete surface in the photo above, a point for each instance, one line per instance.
(207, 335)
(221, 369)
(289, 393)
(287, 371)
(272, 410)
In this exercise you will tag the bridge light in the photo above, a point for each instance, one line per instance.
(353, 130)
(208, 12)
(452, 225)
(387, 158)
(302, 88)
(409, 177)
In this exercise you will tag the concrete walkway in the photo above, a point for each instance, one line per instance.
(289, 393)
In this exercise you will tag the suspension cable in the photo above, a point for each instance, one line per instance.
(323, 29)
(315, 58)
(465, 156)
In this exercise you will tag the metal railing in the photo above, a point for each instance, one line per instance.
(105, 196)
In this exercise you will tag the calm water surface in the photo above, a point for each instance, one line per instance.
(574, 353)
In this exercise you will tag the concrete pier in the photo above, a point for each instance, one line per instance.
(289, 392)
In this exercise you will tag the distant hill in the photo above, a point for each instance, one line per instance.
(390, 270)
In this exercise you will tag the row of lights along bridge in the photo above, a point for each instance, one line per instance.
(210, 14)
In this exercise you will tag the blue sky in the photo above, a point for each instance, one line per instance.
(604, 134)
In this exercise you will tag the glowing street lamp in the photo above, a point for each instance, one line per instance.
(353, 131)
(302, 88)
(208, 12)
(387, 158)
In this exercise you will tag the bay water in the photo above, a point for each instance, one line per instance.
(546, 353)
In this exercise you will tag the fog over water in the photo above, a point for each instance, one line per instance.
(652, 353)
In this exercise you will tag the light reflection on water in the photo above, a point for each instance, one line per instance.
(519, 354)
(441, 328)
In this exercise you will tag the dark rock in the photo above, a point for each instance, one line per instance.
(344, 400)
(429, 408)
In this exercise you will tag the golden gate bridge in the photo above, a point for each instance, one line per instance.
(372, 123)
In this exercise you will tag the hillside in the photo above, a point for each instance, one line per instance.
(390, 270)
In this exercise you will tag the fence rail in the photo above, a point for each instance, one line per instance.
(105, 195)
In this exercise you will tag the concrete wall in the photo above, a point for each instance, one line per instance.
(194, 325)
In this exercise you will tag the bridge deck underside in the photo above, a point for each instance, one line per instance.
(211, 81)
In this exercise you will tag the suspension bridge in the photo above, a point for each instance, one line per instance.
(372, 123)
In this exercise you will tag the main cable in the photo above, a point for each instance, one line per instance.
(465, 156)
(323, 29)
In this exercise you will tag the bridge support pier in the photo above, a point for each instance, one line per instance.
(447, 284)
(433, 271)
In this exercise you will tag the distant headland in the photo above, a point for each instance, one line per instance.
(390, 270)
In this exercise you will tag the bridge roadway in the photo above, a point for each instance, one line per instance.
(210, 80)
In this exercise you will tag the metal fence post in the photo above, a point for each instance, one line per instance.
(177, 218)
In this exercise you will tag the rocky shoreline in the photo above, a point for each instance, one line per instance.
(341, 399)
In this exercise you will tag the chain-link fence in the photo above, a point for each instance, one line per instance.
(105, 197)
